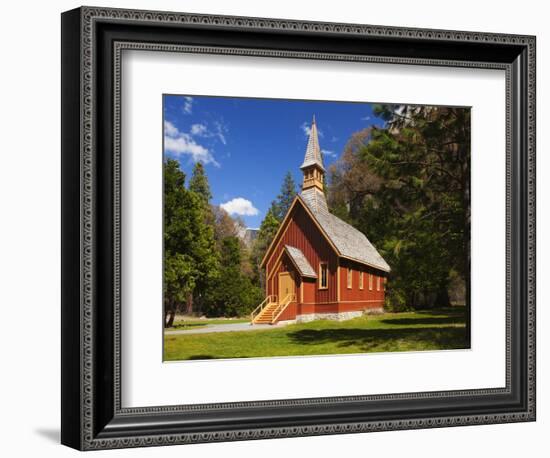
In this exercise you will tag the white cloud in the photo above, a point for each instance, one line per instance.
(188, 105)
(240, 206)
(219, 131)
(365, 118)
(170, 129)
(185, 145)
(198, 129)
(328, 152)
(181, 143)
(306, 127)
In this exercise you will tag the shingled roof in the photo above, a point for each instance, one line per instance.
(300, 261)
(313, 151)
(349, 242)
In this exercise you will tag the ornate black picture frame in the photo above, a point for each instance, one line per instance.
(92, 42)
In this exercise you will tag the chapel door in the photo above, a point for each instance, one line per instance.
(286, 285)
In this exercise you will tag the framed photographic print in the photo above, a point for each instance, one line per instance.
(277, 228)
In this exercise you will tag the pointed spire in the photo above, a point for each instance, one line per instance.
(313, 151)
(312, 167)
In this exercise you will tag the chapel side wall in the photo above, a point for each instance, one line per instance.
(355, 297)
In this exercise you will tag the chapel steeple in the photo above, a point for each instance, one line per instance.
(312, 167)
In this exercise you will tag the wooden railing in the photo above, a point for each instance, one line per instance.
(282, 306)
(268, 300)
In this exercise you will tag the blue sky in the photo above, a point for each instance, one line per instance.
(248, 145)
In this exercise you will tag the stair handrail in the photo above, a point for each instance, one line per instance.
(268, 300)
(289, 298)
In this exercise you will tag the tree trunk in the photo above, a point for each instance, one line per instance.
(413, 301)
(169, 314)
(189, 305)
(197, 303)
(442, 298)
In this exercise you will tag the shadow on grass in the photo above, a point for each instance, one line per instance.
(202, 357)
(443, 320)
(387, 339)
(456, 310)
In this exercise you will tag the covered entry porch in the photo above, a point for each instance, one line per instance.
(286, 288)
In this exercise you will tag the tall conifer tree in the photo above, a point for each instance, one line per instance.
(268, 229)
(199, 183)
(191, 260)
(407, 185)
(281, 204)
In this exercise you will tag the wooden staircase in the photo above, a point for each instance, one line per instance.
(269, 303)
(270, 309)
(267, 314)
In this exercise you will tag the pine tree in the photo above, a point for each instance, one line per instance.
(270, 224)
(179, 268)
(268, 229)
(231, 253)
(233, 294)
(199, 183)
(190, 256)
(407, 186)
(280, 206)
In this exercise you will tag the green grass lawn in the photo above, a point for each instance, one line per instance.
(410, 331)
(199, 323)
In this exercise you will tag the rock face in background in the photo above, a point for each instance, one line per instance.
(248, 235)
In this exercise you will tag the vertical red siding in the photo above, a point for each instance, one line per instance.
(289, 313)
(372, 297)
(302, 233)
(310, 286)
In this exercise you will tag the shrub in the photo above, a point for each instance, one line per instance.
(396, 301)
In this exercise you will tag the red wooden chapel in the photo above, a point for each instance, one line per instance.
(318, 266)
